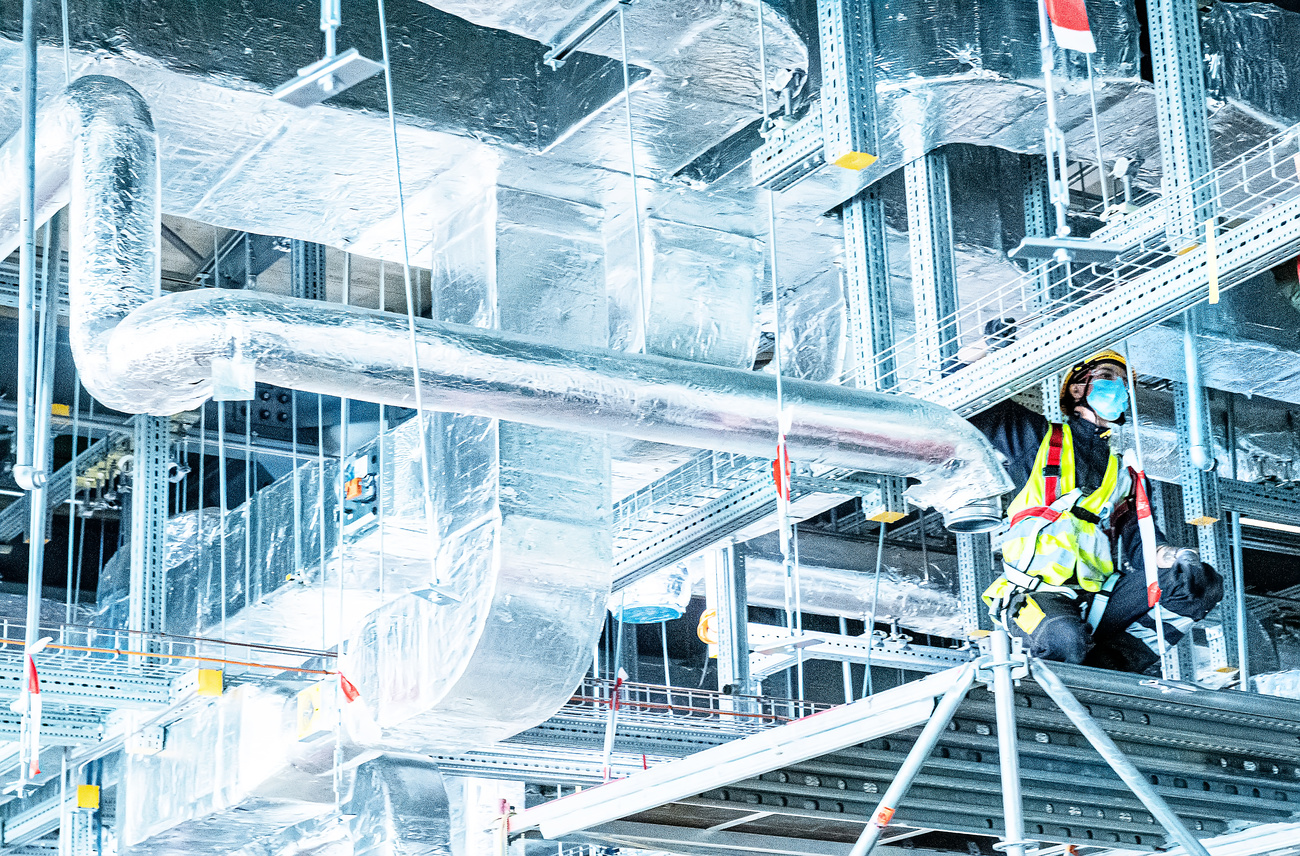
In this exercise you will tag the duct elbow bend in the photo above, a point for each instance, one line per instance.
(100, 156)
(968, 488)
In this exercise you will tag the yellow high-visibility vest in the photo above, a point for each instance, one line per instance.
(1056, 533)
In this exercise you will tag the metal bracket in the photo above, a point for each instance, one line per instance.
(1018, 660)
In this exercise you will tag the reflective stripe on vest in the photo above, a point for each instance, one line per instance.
(1056, 532)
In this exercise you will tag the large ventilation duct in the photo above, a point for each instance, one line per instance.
(155, 356)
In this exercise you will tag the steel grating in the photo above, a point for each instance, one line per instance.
(1219, 758)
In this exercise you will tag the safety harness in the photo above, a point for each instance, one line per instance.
(1057, 535)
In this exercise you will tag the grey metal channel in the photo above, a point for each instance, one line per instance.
(84, 685)
(1259, 243)
(791, 155)
(69, 727)
(692, 532)
(1267, 502)
(15, 516)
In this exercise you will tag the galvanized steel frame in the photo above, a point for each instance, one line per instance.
(934, 280)
(148, 601)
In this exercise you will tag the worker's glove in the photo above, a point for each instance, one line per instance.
(1167, 554)
(1190, 587)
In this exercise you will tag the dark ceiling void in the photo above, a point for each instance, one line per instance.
(452, 75)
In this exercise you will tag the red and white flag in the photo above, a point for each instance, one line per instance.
(1070, 25)
(1147, 527)
(33, 749)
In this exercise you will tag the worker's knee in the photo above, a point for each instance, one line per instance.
(1061, 638)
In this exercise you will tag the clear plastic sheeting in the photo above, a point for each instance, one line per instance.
(357, 353)
(949, 38)
(703, 286)
(1251, 58)
(1284, 684)
(521, 513)
(837, 577)
(231, 772)
(181, 544)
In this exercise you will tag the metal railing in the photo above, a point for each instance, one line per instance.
(1249, 185)
(652, 704)
(115, 651)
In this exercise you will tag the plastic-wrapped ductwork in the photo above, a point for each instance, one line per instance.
(703, 285)
(1251, 55)
(99, 149)
(521, 513)
(160, 360)
(357, 353)
(231, 771)
(837, 577)
(703, 56)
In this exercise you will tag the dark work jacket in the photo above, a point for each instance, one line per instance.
(1016, 432)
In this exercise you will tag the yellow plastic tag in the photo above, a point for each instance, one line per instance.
(1030, 616)
(855, 160)
(87, 796)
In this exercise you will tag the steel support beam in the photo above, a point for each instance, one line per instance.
(148, 526)
(974, 575)
(934, 283)
(1201, 508)
(1176, 58)
(731, 598)
(866, 290)
(1040, 222)
(307, 270)
(871, 322)
(848, 93)
(240, 260)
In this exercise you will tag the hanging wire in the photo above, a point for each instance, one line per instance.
(320, 504)
(200, 505)
(221, 487)
(789, 554)
(668, 678)
(297, 485)
(868, 687)
(425, 471)
(383, 459)
(1096, 138)
(344, 424)
(67, 44)
(221, 450)
(1137, 450)
(636, 203)
(248, 500)
(72, 490)
(81, 536)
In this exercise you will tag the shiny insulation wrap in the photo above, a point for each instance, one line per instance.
(100, 153)
(836, 577)
(362, 354)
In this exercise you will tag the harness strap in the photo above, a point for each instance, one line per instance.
(1025, 582)
(1052, 471)
(1099, 601)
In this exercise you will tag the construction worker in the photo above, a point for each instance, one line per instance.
(1073, 583)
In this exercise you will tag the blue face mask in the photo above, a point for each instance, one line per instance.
(1108, 399)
